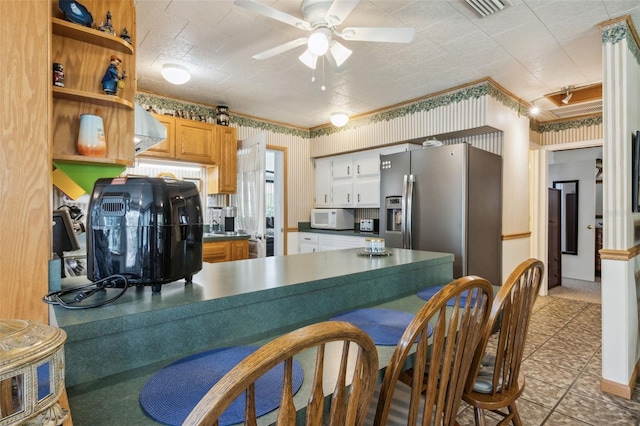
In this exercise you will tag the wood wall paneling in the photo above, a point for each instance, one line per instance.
(25, 160)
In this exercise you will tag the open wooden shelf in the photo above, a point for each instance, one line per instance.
(83, 159)
(89, 35)
(96, 98)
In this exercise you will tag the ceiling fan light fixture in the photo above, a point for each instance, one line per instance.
(175, 74)
(340, 53)
(309, 59)
(318, 42)
(339, 119)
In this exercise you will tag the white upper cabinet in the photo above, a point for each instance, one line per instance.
(351, 180)
(366, 192)
(367, 163)
(323, 182)
(342, 167)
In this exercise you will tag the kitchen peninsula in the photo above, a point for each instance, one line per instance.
(112, 350)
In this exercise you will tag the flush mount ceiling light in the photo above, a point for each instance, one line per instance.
(339, 119)
(175, 74)
(534, 110)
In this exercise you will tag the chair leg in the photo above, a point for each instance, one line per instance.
(478, 414)
(513, 410)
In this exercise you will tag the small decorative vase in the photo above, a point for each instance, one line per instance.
(91, 140)
(222, 113)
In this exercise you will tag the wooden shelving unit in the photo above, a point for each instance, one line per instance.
(85, 55)
(98, 99)
(82, 159)
(89, 35)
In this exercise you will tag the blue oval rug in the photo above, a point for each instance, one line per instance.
(170, 395)
(384, 326)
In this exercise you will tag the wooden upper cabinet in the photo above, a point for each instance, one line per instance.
(166, 148)
(195, 141)
(222, 178)
(85, 54)
(187, 140)
(228, 140)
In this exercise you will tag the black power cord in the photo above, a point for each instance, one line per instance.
(80, 293)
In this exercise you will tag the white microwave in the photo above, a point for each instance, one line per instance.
(332, 218)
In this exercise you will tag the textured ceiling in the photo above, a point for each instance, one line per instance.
(530, 48)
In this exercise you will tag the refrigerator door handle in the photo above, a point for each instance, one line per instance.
(403, 225)
(407, 206)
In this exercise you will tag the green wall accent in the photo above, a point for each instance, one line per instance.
(86, 175)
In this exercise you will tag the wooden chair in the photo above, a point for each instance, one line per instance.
(496, 381)
(348, 404)
(444, 359)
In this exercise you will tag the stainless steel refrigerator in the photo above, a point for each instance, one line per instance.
(446, 199)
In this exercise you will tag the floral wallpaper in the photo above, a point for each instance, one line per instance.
(566, 125)
(621, 31)
(162, 105)
(471, 92)
(183, 109)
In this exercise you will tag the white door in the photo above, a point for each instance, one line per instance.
(580, 266)
(250, 194)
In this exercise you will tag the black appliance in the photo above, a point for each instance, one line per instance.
(146, 229)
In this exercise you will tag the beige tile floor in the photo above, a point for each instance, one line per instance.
(562, 366)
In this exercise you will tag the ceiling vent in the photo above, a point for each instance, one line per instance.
(485, 8)
(585, 108)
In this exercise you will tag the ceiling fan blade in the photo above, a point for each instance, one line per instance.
(339, 10)
(280, 49)
(272, 13)
(389, 35)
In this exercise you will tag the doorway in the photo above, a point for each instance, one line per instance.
(261, 195)
(275, 200)
(574, 161)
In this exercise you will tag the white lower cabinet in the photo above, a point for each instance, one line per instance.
(307, 242)
(310, 242)
(329, 242)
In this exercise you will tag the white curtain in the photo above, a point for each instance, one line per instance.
(249, 196)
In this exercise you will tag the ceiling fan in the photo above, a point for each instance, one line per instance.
(321, 17)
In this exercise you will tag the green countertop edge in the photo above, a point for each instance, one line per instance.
(142, 328)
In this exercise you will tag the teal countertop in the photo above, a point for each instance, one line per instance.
(112, 350)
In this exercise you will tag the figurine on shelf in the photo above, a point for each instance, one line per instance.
(107, 27)
(58, 74)
(112, 76)
(125, 36)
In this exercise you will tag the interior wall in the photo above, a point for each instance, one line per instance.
(516, 228)
(620, 333)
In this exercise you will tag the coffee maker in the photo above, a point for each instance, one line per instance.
(228, 222)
